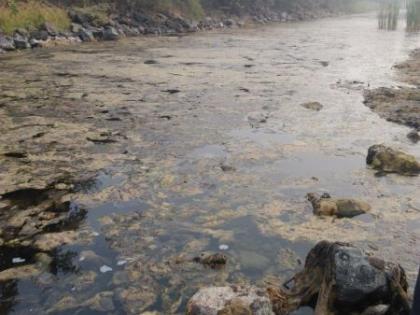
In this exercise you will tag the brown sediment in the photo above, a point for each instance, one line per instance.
(180, 174)
(400, 105)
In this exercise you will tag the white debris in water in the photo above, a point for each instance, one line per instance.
(94, 233)
(121, 262)
(18, 260)
(82, 258)
(223, 247)
(105, 269)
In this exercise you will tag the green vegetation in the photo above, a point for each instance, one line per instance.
(98, 14)
(31, 15)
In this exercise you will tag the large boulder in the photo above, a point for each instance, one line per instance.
(40, 35)
(86, 35)
(342, 207)
(230, 300)
(388, 160)
(341, 279)
(21, 41)
(6, 43)
(110, 33)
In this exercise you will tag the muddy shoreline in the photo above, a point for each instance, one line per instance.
(400, 104)
(85, 28)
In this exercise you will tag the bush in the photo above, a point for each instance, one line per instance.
(31, 15)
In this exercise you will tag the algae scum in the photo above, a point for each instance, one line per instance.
(142, 155)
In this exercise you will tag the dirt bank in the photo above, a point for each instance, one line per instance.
(109, 22)
(400, 104)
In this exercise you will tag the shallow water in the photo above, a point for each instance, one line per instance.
(194, 170)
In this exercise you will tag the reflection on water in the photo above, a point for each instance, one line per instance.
(388, 15)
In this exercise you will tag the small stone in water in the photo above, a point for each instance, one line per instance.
(18, 260)
(121, 262)
(223, 247)
(105, 269)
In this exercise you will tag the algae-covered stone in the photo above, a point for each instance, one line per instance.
(343, 207)
(316, 106)
(388, 160)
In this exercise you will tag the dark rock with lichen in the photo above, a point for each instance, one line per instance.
(389, 160)
(343, 207)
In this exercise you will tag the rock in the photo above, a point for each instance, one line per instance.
(110, 33)
(86, 35)
(35, 43)
(101, 302)
(388, 160)
(341, 208)
(342, 279)
(39, 35)
(230, 22)
(89, 256)
(316, 106)
(257, 118)
(211, 260)
(21, 42)
(75, 28)
(413, 136)
(380, 309)
(49, 28)
(232, 300)
(6, 43)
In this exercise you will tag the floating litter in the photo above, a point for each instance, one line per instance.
(121, 262)
(105, 269)
(95, 233)
(223, 247)
(18, 260)
(82, 258)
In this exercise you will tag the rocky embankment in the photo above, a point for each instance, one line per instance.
(86, 28)
(400, 104)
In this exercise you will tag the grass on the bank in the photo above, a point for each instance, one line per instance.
(98, 13)
(31, 15)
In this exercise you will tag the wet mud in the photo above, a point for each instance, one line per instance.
(400, 104)
(116, 172)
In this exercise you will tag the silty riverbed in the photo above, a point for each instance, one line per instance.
(175, 146)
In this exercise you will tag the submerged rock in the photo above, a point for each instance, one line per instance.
(230, 300)
(316, 106)
(211, 260)
(388, 160)
(255, 119)
(343, 208)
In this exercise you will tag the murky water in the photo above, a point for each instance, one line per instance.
(192, 166)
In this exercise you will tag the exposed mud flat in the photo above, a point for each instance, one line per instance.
(400, 104)
(137, 180)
